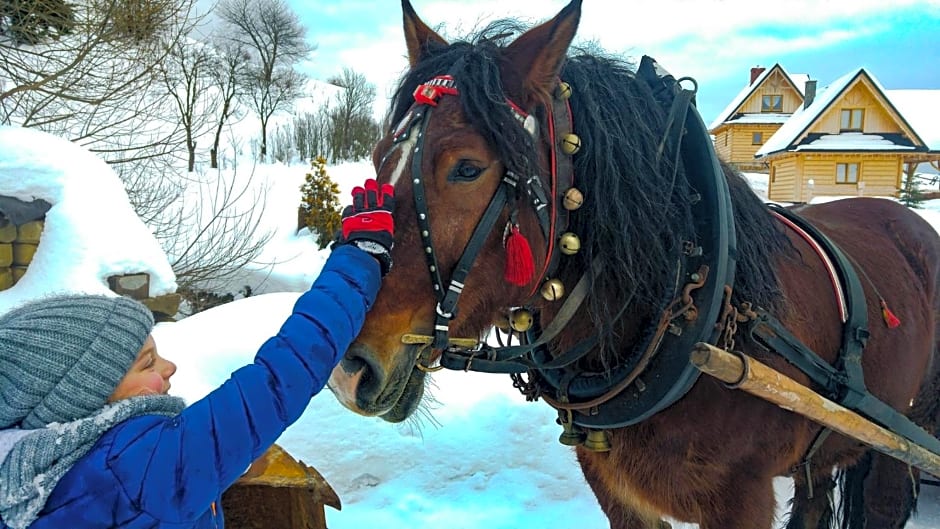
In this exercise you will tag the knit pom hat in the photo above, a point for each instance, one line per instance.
(62, 357)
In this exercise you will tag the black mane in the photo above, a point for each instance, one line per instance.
(636, 213)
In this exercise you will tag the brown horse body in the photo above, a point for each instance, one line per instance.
(710, 457)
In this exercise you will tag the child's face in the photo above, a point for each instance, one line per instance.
(149, 375)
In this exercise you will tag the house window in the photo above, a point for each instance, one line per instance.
(757, 138)
(852, 119)
(846, 173)
(772, 103)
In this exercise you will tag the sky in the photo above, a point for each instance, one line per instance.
(714, 41)
(480, 457)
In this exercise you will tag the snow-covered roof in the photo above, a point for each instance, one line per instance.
(760, 118)
(804, 117)
(921, 109)
(798, 81)
(852, 141)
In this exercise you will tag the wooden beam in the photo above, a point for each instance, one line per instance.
(756, 378)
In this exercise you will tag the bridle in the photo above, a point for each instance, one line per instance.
(552, 218)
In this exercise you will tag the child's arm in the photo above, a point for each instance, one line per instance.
(176, 467)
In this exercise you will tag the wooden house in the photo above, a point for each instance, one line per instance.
(850, 140)
(756, 113)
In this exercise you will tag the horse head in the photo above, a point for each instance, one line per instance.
(461, 150)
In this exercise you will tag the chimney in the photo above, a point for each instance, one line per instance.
(755, 73)
(809, 93)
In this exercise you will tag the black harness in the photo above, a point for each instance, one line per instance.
(698, 309)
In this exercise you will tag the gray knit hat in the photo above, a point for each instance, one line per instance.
(62, 357)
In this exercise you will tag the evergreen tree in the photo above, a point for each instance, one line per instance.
(320, 206)
(910, 194)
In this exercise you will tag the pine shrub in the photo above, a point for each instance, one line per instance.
(320, 205)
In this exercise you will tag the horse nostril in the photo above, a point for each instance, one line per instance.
(360, 360)
(352, 363)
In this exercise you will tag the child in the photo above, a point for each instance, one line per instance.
(89, 437)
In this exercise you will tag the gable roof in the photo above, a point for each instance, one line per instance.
(798, 81)
(804, 118)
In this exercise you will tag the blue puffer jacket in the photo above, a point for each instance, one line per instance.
(160, 472)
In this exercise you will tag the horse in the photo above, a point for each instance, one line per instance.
(529, 172)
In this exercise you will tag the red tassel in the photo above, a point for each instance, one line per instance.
(520, 268)
(891, 320)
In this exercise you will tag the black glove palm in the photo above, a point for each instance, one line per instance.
(368, 223)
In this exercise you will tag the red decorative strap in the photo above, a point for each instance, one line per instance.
(429, 92)
(520, 267)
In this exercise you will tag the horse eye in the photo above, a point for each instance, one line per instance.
(464, 171)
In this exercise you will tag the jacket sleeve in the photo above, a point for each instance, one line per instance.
(175, 467)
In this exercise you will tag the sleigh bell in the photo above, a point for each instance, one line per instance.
(572, 435)
(570, 144)
(597, 441)
(520, 320)
(573, 199)
(563, 91)
(569, 243)
(553, 290)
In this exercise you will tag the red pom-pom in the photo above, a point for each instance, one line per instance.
(520, 268)
(891, 320)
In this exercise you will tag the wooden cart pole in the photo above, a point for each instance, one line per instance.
(758, 379)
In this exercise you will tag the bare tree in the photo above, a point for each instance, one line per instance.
(186, 76)
(272, 32)
(227, 70)
(96, 83)
(267, 96)
(355, 131)
(214, 232)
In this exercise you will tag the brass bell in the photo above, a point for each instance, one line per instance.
(553, 289)
(520, 320)
(573, 199)
(569, 243)
(597, 441)
(570, 144)
(571, 436)
(563, 91)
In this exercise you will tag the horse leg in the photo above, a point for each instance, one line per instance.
(884, 488)
(879, 492)
(620, 514)
(812, 512)
(745, 502)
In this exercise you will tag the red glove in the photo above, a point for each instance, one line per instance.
(368, 222)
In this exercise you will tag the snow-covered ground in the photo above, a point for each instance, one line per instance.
(478, 456)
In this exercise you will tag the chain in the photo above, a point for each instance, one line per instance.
(728, 322)
(530, 388)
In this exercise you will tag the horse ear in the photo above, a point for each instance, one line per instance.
(418, 36)
(534, 60)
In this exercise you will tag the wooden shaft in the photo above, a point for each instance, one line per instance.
(762, 381)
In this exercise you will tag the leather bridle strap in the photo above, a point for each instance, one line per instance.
(448, 295)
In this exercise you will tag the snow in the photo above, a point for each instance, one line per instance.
(760, 118)
(91, 232)
(478, 456)
(853, 141)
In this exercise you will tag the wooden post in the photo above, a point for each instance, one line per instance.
(758, 379)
